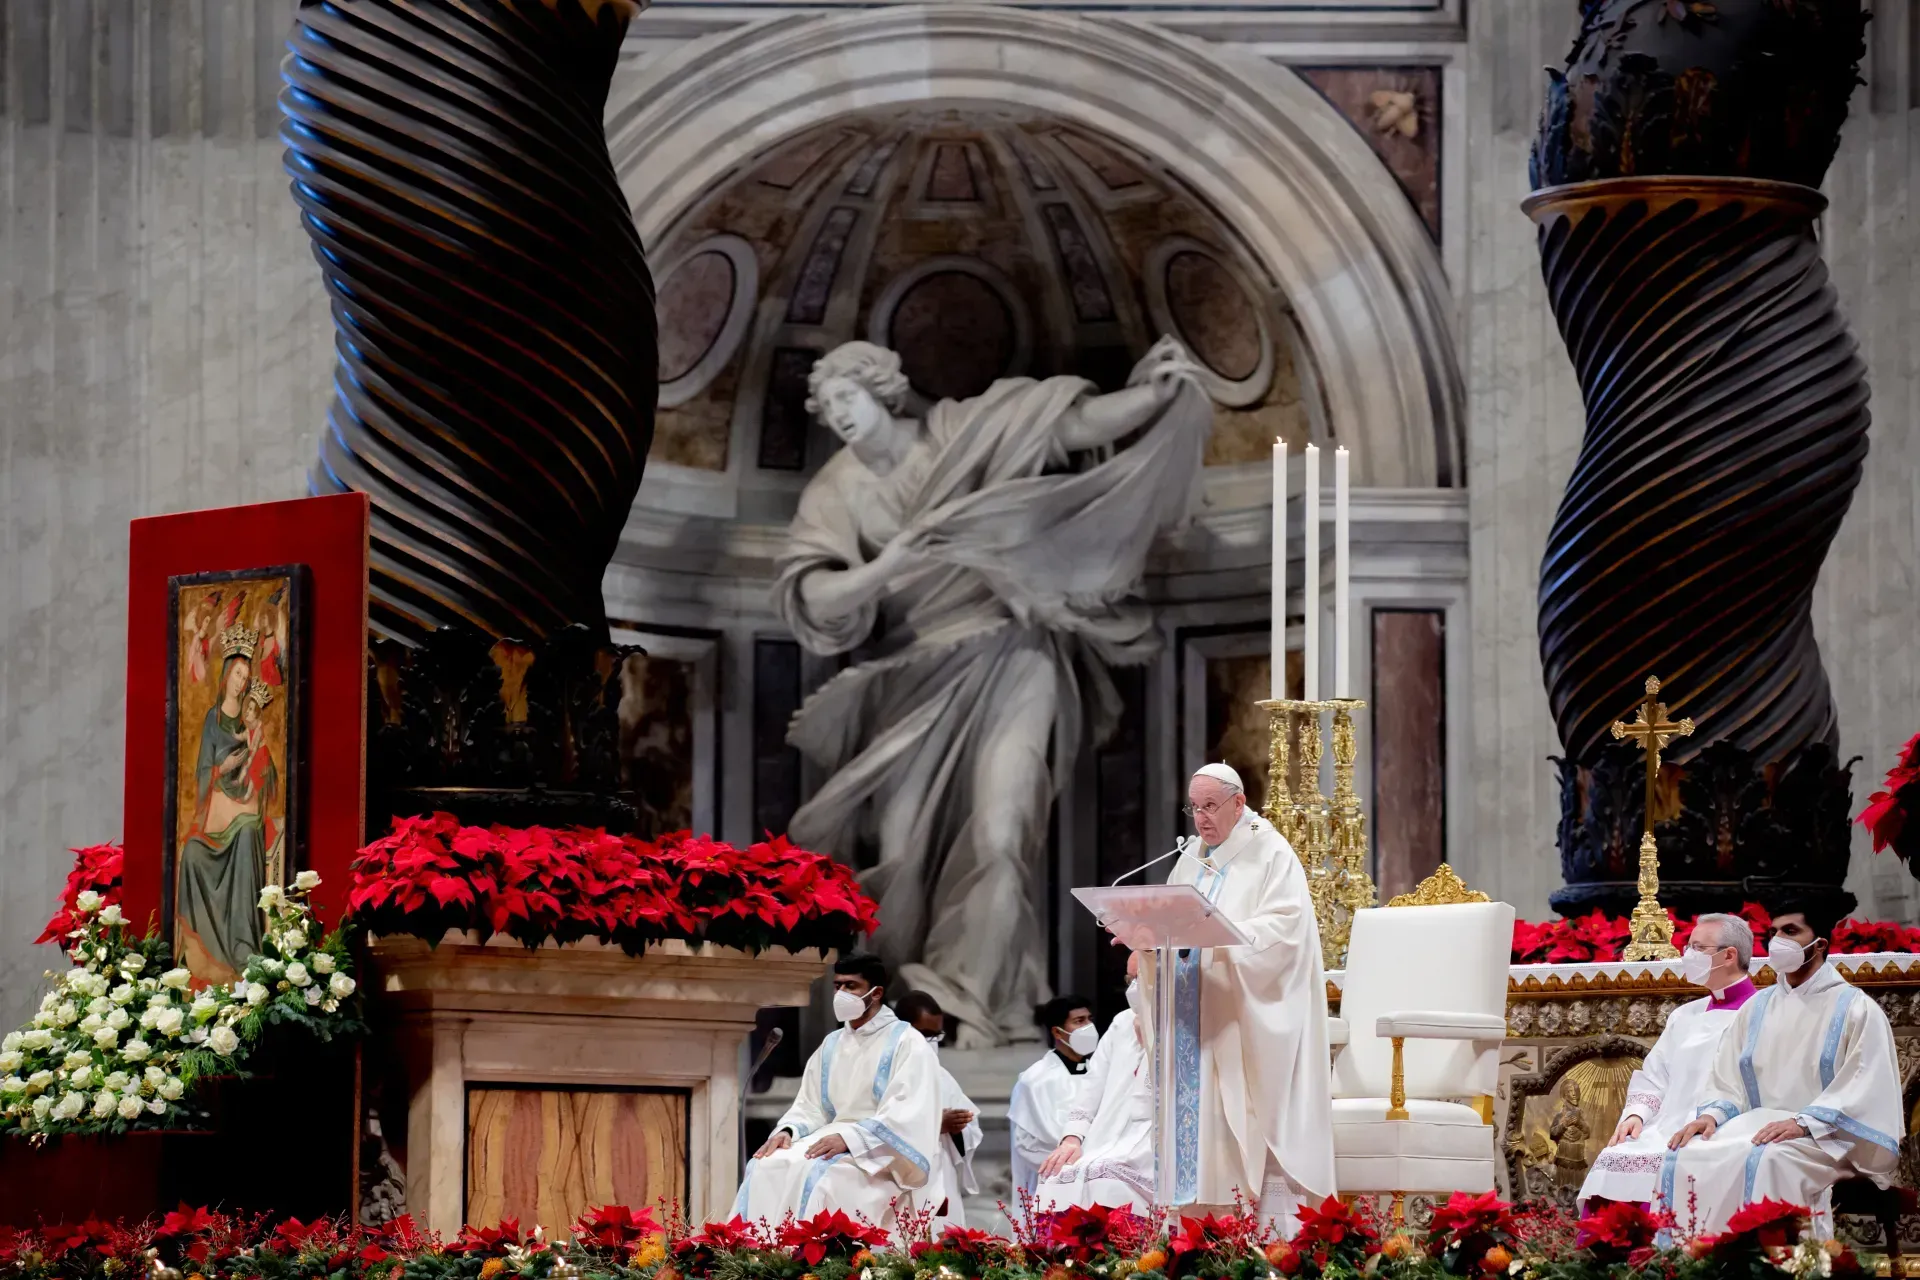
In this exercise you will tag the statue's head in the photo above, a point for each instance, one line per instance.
(855, 389)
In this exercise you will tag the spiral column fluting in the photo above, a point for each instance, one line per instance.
(1726, 427)
(494, 318)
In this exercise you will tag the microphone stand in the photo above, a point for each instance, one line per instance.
(774, 1037)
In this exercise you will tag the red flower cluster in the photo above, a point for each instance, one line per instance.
(1332, 1232)
(968, 1244)
(96, 867)
(1618, 1231)
(1231, 1236)
(537, 884)
(615, 1227)
(1467, 1229)
(1596, 937)
(1887, 811)
(828, 1235)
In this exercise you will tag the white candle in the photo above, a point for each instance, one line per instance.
(1277, 611)
(1342, 613)
(1310, 573)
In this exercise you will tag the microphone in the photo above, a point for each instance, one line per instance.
(1173, 852)
(774, 1037)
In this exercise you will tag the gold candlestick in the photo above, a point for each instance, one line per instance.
(1280, 807)
(1353, 888)
(1652, 930)
(1329, 838)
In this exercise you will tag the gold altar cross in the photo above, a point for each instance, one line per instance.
(1652, 931)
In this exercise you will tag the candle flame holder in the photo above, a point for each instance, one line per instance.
(1329, 836)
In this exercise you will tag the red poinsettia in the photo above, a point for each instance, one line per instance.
(1887, 812)
(1595, 938)
(1078, 1233)
(1334, 1232)
(1772, 1224)
(96, 868)
(1466, 1228)
(1620, 1231)
(615, 1226)
(968, 1243)
(493, 1241)
(829, 1235)
(536, 884)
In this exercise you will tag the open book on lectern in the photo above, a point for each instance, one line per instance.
(1147, 917)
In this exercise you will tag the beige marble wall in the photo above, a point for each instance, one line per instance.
(1524, 424)
(164, 345)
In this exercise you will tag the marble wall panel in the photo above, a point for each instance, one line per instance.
(1409, 706)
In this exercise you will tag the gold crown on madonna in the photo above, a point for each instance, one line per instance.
(260, 693)
(239, 639)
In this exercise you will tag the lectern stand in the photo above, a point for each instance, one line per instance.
(1164, 919)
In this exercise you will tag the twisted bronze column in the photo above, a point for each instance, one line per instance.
(494, 314)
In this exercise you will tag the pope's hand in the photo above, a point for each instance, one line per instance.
(1780, 1131)
(781, 1138)
(1703, 1127)
(955, 1121)
(1629, 1128)
(1063, 1155)
(831, 1145)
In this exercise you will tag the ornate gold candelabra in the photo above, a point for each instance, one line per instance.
(1329, 837)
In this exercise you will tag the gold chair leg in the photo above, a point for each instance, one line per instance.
(1483, 1104)
(1397, 1098)
(1399, 1208)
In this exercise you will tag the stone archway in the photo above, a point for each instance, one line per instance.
(1316, 208)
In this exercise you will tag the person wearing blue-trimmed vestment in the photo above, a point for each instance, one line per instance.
(1805, 1091)
(864, 1129)
(1254, 1093)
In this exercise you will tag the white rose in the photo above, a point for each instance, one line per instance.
(156, 1106)
(329, 1005)
(314, 995)
(103, 1104)
(13, 1084)
(122, 993)
(223, 1041)
(119, 1019)
(88, 901)
(297, 974)
(149, 1016)
(11, 1041)
(91, 1023)
(111, 914)
(39, 1080)
(131, 1107)
(169, 1022)
(41, 1106)
(197, 1036)
(117, 1081)
(153, 1076)
(11, 1060)
(322, 962)
(293, 940)
(37, 1038)
(172, 1087)
(175, 978)
(203, 1008)
(137, 1051)
(257, 994)
(81, 1079)
(340, 985)
(307, 881)
(65, 1014)
(106, 1037)
(272, 896)
(160, 999)
(76, 1059)
(134, 963)
(99, 953)
(70, 1106)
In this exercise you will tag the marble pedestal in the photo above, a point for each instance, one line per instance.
(476, 1022)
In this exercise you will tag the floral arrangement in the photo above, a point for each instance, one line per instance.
(96, 870)
(1599, 937)
(1888, 809)
(1473, 1236)
(120, 1039)
(535, 884)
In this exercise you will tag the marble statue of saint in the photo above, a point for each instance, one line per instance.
(981, 567)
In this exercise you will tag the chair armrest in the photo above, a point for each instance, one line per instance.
(1437, 1025)
(1338, 1032)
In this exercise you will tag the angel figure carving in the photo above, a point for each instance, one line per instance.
(982, 567)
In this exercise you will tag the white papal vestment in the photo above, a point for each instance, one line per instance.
(1112, 1115)
(878, 1087)
(1821, 1053)
(953, 1171)
(1664, 1093)
(1037, 1115)
(1253, 1087)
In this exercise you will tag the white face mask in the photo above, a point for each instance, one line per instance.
(848, 1006)
(1133, 996)
(1785, 955)
(1084, 1040)
(1695, 966)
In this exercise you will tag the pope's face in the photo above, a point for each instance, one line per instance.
(1216, 808)
(850, 410)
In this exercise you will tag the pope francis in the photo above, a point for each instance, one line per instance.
(1252, 1099)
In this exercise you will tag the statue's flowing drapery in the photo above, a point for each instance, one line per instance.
(948, 739)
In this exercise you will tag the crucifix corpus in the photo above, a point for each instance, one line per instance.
(1652, 937)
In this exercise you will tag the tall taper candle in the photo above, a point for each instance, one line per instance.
(1277, 611)
(1310, 573)
(1342, 610)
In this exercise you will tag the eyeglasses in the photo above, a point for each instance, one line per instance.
(1210, 809)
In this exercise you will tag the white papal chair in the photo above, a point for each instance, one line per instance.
(1423, 1014)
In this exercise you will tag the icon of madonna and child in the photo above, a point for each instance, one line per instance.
(232, 721)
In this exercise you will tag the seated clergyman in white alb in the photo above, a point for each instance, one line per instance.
(1805, 1091)
(1253, 1018)
(862, 1134)
(960, 1130)
(1037, 1108)
(1106, 1155)
(1671, 1084)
